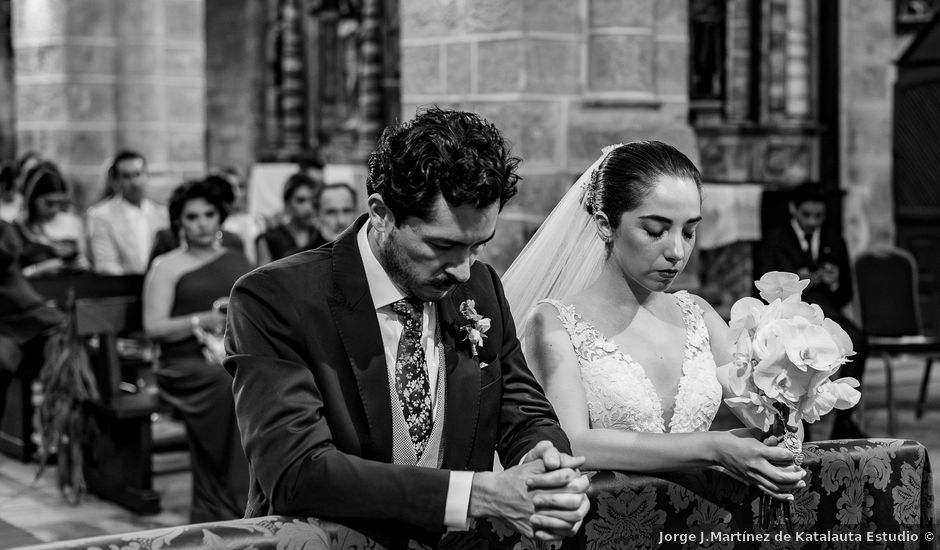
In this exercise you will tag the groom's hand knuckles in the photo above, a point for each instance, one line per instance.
(573, 462)
(579, 484)
(556, 501)
(552, 480)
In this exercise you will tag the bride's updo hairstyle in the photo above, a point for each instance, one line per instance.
(628, 174)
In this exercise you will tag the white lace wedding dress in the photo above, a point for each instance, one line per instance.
(620, 395)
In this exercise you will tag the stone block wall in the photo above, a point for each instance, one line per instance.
(561, 78)
(94, 76)
(870, 47)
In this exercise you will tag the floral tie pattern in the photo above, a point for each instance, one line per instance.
(411, 375)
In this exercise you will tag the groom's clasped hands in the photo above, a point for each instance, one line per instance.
(543, 497)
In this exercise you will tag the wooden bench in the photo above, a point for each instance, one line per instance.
(118, 453)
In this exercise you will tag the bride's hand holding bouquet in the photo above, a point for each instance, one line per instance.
(785, 355)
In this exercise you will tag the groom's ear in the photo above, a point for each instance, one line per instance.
(380, 215)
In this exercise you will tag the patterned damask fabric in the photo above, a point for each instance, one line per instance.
(857, 490)
(620, 395)
(860, 494)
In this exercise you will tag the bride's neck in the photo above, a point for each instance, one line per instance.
(613, 286)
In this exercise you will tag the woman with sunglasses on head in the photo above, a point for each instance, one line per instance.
(53, 236)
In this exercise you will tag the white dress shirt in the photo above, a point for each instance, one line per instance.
(384, 293)
(121, 234)
(810, 245)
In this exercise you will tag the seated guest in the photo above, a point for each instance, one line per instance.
(25, 319)
(804, 247)
(169, 238)
(298, 232)
(121, 228)
(179, 292)
(53, 237)
(335, 209)
(241, 222)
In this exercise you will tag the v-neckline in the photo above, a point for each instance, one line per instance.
(627, 358)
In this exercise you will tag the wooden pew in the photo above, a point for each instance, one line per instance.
(117, 457)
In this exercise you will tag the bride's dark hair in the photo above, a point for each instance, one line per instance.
(629, 172)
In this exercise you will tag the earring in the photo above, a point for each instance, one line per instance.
(217, 244)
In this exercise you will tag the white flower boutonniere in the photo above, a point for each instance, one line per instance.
(477, 326)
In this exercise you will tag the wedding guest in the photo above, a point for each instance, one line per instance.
(806, 248)
(179, 292)
(602, 330)
(121, 228)
(246, 225)
(359, 398)
(298, 232)
(53, 236)
(335, 209)
(169, 238)
(25, 318)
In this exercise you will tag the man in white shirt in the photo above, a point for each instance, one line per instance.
(121, 228)
(375, 377)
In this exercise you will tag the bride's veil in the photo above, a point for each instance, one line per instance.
(562, 258)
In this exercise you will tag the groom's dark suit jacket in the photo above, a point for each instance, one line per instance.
(312, 394)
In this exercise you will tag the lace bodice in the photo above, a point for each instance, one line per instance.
(621, 396)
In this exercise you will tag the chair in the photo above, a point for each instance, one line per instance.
(887, 294)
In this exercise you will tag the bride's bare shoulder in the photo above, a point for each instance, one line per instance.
(544, 317)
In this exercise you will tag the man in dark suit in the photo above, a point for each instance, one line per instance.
(805, 248)
(375, 377)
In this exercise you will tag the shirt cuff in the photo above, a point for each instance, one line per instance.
(457, 507)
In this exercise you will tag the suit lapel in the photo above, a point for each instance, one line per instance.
(803, 257)
(354, 315)
(463, 384)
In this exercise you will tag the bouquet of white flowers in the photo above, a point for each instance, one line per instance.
(785, 353)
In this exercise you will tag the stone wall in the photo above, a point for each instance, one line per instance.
(561, 78)
(870, 47)
(94, 76)
(235, 57)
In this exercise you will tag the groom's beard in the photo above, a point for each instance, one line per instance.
(403, 274)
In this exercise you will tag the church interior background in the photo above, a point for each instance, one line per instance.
(761, 94)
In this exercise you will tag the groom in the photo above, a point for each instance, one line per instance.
(374, 377)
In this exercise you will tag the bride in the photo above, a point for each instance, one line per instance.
(629, 368)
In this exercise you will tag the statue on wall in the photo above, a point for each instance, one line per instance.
(328, 77)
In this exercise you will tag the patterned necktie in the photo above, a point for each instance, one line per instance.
(411, 374)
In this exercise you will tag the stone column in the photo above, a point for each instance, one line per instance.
(93, 76)
(235, 63)
(798, 60)
(869, 50)
(7, 92)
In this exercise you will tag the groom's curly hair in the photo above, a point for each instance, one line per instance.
(456, 154)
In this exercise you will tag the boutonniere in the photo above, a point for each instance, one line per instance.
(476, 327)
